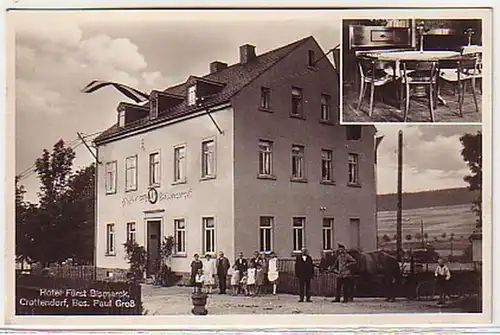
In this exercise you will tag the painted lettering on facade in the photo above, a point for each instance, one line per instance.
(162, 197)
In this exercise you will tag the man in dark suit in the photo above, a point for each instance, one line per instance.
(222, 269)
(242, 265)
(304, 271)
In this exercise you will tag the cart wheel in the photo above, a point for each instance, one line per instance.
(425, 290)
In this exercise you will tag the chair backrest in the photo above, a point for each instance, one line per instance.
(476, 51)
(419, 69)
(467, 65)
(369, 67)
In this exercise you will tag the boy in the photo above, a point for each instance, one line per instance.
(442, 275)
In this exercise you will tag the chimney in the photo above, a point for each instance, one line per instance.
(217, 66)
(247, 53)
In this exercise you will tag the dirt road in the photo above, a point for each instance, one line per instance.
(177, 301)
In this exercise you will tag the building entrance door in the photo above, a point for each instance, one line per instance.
(153, 245)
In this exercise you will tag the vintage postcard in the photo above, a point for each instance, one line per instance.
(191, 168)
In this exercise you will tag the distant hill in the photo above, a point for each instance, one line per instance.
(436, 198)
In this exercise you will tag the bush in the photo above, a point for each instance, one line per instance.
(137, 258)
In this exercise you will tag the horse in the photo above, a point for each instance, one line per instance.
(369, 266)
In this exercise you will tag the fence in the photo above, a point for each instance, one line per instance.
(87, 272)
(464, 277)
(42, 295)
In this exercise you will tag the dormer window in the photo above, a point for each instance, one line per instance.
(153, 108)
(191, 95)
(310, 58)
(121, 118)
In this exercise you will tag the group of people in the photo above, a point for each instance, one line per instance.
(304, 271)
(247, 277)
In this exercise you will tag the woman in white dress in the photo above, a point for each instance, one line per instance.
(209, 271)
(251, 273)
(272, 271)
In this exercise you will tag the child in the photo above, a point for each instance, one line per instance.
(243, 283)
(199, 279)
(251, 279)
(235, 279)
(443, 275)
(272, 272)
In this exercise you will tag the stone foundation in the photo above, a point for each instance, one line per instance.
(118, 275)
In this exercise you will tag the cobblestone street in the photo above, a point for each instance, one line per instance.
(177, 301)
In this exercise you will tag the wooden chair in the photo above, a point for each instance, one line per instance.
(460, 71)
(372, 74)
(415, 75)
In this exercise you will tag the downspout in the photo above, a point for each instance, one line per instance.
(378, 140)
(96, 192)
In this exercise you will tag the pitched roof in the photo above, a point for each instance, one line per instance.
(235, 78)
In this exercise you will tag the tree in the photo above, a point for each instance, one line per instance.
(61, 226)
(472, 155)
(443, 235)
(426, 236)
(386, 238)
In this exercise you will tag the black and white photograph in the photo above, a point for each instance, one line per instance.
(412, 70)
(194, 163)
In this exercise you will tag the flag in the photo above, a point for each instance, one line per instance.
(129, 92)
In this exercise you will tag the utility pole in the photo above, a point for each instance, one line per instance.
(400, 196)
(422, 232)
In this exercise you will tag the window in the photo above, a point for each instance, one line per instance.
(131, 173)
(180, 164)
(296, 102)
(111, 177)
(298, 233)
(110, 238)
(153, 108)
(208, 159)
(209, 235)
(310, 58)
(265, 98)
(353, 169)
(327, 234)
(265, 158)
(353, 133)
(325, 107)
(327, 165)
(298, 162)
(180, 236)
(131, 232)
(355, 233)
(154, 169)
(191, 95)
(266, 233)
(121, 118)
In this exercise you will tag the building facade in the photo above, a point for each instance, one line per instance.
(250, 157)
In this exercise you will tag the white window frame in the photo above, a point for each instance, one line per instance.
(180, 163)
(131, 186)
(131, 231)
(183, 238)
(353, 169)
(297, 93)
(326, 114)
(208, 159)
(266, 239)
(153, 108)
(298, 162)
(266, 158)
(191, 95)
(110, 239)
(327, 159)
(121, 118)
(111, 177)
(327, 233)
(295, 233)
(213, 235)
(151, 171)
(265, 98)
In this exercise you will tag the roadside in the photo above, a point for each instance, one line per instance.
(177, 301)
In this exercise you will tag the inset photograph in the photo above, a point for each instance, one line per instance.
(412, 70)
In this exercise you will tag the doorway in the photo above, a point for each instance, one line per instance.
(153, 245)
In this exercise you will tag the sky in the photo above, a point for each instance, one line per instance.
(58, 53)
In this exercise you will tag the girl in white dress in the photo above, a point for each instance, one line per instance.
(251, 279)
(209, 271)
(199, 280)
(272, 271)
(235, 279)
